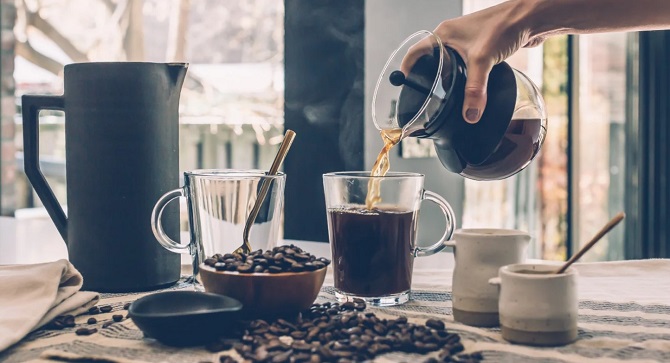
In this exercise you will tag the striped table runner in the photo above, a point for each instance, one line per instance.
(624, 317)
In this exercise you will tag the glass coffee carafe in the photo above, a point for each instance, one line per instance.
(425, 98)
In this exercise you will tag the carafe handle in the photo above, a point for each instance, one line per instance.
(31, 106)
(448, 232)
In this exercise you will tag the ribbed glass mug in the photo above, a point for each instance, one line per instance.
(219, 202)
(374, 246)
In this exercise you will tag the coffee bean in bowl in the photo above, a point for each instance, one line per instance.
(282, 281)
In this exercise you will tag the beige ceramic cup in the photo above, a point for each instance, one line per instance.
(537, 307)
(479, 254)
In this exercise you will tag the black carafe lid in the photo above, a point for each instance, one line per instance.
(439, 109)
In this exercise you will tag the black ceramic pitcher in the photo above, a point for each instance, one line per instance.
(122, 154)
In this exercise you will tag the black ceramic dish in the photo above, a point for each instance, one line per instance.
(184, 318)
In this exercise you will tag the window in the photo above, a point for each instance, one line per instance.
(599, 139)
(231, 107)
(583, 81)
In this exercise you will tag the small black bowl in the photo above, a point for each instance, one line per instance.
(185, 318)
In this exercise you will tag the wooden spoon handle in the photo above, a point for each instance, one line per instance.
(603, 231)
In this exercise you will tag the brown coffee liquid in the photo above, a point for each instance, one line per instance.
(372, 250)
(519, 145)
(534, 272)
(390, 138)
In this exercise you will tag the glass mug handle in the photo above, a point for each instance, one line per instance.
(448, 232)
(157, 226)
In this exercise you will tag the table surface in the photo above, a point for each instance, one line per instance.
(624, 311)
(36, 239)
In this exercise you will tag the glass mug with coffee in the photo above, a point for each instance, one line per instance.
(374, 242)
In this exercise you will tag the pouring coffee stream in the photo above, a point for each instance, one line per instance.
(276, 163)
(381, 167)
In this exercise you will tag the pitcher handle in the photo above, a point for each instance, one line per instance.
(31, 106)
(448, 232)
(157, 226)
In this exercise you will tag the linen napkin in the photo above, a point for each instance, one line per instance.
(32, 295)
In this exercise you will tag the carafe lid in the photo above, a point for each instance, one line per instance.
(408, 82)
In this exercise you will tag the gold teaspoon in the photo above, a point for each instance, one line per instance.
(279, 159)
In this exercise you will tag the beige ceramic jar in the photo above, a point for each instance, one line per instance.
(479, 254)
(537, 307)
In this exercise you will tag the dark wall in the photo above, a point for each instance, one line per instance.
(324, 55)
(648, 153)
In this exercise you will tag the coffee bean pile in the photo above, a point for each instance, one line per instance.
(280, 259)
(334, 332)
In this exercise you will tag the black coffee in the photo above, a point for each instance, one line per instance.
(372, 250)
(516, 149)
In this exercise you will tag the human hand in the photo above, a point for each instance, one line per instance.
(483, 39)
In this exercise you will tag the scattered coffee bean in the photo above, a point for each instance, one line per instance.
(280, 259)
(476, 355)
(435, 324)
(68, 321)
(94, 310)
(61, 322)
(86, 331)
(456, 348)
(117, 317)
(126, 306)
(92, 321)
(446, 357)
(106, 308)
(349, 305)
(227, 359)
(359, 304)
(219, 346)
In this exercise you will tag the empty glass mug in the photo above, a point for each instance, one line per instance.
(374, 245)
(219, 203)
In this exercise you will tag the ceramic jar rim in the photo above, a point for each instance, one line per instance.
(511, 271)
(490, 232)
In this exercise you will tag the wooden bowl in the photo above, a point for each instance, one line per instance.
(266, 294)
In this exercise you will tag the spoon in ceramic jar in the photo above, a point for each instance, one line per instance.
(279, 159)
(603, 231)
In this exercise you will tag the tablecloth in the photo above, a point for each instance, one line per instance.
(624, 316)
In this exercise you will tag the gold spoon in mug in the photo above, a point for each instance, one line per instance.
(279, 159)
(603, 231)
